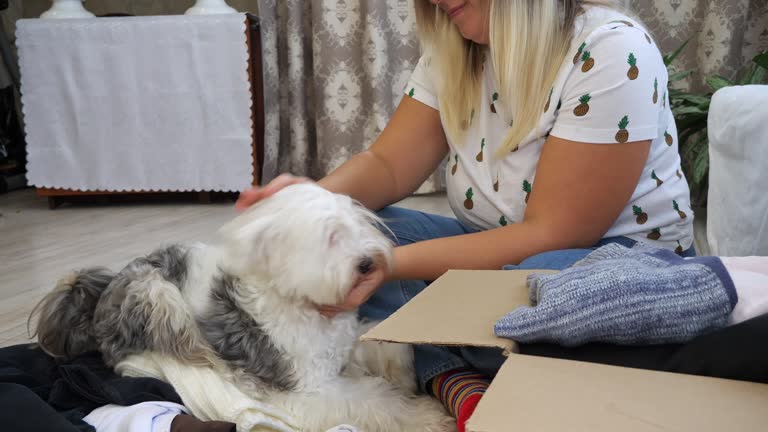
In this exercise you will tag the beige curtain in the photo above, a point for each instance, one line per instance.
(334, 70)
(724, 34)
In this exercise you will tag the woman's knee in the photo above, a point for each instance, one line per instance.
(389, 298)
(406, 226)
(398, 224)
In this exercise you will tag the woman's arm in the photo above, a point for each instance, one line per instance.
(580, 190)
(408, 150)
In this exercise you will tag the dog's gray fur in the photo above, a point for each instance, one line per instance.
(171, 262)
(67, 328)
(141, 308)
(241, 341)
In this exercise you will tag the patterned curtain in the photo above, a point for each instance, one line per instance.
(724, 34)
(334, 70)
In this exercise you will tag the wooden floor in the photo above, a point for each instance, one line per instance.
(38, 245)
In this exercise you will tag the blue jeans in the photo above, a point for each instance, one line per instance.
(410, 226)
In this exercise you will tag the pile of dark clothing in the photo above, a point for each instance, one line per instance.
(40, 393)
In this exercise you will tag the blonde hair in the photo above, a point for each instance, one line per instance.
(528, 42)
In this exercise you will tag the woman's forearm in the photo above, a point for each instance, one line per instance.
(408, 150)
(485, 250)
(366, 178)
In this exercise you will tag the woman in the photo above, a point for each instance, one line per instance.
(555, 120)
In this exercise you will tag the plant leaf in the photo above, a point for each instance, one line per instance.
(674, 91)
(698, 100)
(687, 121)
(717, 82)
(762, 59)
(691, 128)
(756, 77)
(749, 74)
(685, 136)
(690, 110)
(701, 163)
(679, 76)
(668, 59)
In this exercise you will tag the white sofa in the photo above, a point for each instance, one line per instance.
(737, 210)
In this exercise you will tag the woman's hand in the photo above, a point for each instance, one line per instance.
(367, 284)
(251, 196)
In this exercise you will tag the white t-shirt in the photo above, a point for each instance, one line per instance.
(611, 89)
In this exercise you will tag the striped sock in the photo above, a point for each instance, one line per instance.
(460, 391)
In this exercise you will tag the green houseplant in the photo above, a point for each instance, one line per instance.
(691, 111)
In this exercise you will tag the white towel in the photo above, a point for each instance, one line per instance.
(208, 396)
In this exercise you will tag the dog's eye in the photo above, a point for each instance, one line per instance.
(365, 266)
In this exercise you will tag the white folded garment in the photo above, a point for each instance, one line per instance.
(143, 417)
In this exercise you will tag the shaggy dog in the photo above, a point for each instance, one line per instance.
(246, 306)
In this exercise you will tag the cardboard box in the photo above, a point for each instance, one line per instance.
(541, 394)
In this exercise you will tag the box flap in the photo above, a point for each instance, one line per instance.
(459, 308)
(543, 394)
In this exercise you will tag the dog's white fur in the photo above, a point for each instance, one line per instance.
(298, 249)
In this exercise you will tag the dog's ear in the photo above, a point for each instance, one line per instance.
(246, 239)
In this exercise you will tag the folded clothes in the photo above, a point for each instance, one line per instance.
(637, 296)
(39, 392)
(208, 395)
(151, 417)
(734, 352)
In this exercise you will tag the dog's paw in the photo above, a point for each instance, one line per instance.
(391, 361)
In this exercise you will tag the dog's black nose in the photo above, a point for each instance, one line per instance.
(365, 266)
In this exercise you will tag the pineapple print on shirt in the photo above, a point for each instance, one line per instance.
(527, 190)
(494, 98)
(503, 221)
(642, 217)
(633, 71)
(468, 203)
(659, 182)
(655, 90)
(577, 57)
(589, 62)
(655, 234)
(583, 108)
(622, 135)
(677, 209)
(455, 166)
(479, 156)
